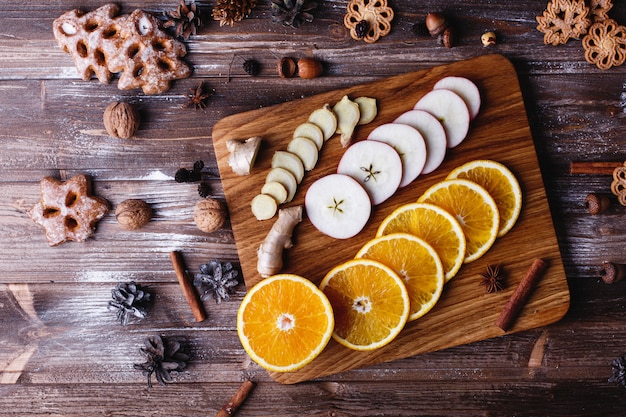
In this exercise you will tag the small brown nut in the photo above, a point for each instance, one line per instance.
(133, 214)
(448, 37)
(488, 38)
(121, 120)
(436, 23)
(209, 214)
(286, 67)
(309, 68)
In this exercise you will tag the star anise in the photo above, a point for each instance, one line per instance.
(185, 20)
(492, 278)
(197, 98)
(618, 370)
(130, 300)
(217, 280)
(162, 358)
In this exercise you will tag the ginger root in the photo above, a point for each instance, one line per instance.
(243, 154)
(270, 252)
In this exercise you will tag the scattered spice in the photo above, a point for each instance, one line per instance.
(594, 167)
(618, 371)
(237, 399)
(130, 300)
(520, 295)
(361, 29)
(185, 20)
(252, 67)
(162, 358)
(217, 280)
(197, 98)
(492, 278)
(194, 175)
(204, 189)
(188, 289)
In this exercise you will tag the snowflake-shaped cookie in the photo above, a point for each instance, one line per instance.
(562, 20)
(618, 186)
(66, 210)
(599, 9)
(605, 44)
(376, 13)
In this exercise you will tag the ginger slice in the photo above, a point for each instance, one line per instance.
(243, 154)
(348, 116)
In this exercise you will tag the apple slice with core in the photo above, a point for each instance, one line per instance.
(465, 88)
(409, 144)
(433, 133)
(338, 206)
(375, 165)
(450, 109)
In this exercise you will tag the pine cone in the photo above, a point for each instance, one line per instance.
(217, 280)
(293, 12)
(230, 11)
(162, 358)
(130, 300)
(185, 20)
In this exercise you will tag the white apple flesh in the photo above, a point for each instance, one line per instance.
(338, 206)
(450, 109)
(375, 165)
(465, 88)
(409, 144)
(433, 133)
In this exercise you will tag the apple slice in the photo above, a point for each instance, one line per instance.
(375, 165)
(310, 131)
(291, 162)
(465, 88)
(284, 177)
(305, 149)
(433, 133)
(408, 143)
(450, 109)
(337, 206)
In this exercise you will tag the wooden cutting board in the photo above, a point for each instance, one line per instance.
(465, 313)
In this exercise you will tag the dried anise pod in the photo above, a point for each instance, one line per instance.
(130, 300)
(162, 358)
(217, 280)
(293, 12)
(251, 67)
(197, 97)
(185, 20)
(618, 371)
(492, 278)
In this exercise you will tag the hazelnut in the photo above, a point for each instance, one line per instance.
(209, 215)
(309, 68)
(286, 67)
(133, 214)
(121, 120)
(488, 38)
(448, 38)
(436, 23)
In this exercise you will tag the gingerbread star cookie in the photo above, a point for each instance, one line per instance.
(66, 211)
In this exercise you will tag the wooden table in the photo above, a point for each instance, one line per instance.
(62, 351)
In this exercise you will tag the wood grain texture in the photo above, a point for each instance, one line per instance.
(500, 132)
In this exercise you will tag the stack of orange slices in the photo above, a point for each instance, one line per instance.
(398, 276)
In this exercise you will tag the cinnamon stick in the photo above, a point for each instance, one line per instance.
(237, 399)
(594, 168)
(197, 308)
(512, 308)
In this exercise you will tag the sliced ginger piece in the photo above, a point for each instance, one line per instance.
(310, 131)
(325, 119)
(306, 150)
(263, 206)
(368, 109)
(284, 177)
(243, 154)
(291, 162)
(276, 190)
(348, 116)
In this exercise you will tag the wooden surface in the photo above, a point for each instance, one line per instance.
(500, 132)
(63, 353)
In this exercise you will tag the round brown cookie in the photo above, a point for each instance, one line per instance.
(605, 44)
(376, 13)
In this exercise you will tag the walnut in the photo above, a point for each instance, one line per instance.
(133, 214)
(209, 215)
(121, 120)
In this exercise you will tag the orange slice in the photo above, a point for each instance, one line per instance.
(500, 183)
(435, 226)
(284, 322)
(416, 262)
(474, 209)
(370, 303)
